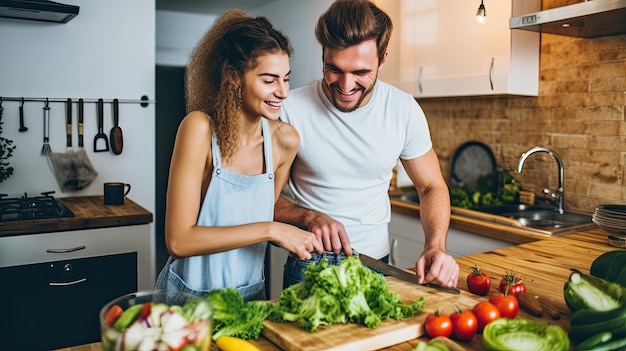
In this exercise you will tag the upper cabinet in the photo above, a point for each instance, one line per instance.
(438, 49)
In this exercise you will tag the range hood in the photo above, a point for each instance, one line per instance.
(38, 10)
(588, 19)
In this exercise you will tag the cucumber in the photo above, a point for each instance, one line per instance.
(584, 291)
(128, 317)
(586, 317)
(613, 345)
(593, 341)
(580, 333)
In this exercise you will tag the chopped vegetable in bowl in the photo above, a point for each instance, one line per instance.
(156, 321)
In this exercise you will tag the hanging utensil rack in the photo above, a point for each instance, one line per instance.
(144, 101)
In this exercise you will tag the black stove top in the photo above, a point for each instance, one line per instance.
(21, 208)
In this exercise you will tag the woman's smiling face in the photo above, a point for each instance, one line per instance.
(266, 86)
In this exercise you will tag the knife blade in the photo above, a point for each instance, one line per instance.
(401, 274)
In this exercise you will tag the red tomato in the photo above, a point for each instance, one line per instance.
(485, 313)
(145, 310)
(464, 325)
(113, 314)
(506, 304)
(514, 283)
(438, 325)
(478, 282)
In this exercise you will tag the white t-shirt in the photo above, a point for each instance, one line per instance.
(345, 160)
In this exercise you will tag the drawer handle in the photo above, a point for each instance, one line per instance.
(72, 249)
(392, 255)
(68, 283)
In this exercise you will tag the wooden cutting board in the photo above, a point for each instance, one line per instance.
(349, 337)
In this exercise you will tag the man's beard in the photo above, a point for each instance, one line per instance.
(333, 97)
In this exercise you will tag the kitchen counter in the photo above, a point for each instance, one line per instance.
(544, 266)
(90, 212)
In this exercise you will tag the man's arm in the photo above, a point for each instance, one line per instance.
(434, 265)
(328, 231)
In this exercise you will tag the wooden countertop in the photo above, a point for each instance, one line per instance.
(544, 266)
(89, 212)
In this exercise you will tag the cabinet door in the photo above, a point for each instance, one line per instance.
(56, 304)
(406, 237)
(462, 243)
(438, 49)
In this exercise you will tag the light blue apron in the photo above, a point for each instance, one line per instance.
(231, 199)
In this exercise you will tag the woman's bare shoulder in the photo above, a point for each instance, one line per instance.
(195, 122)
(288, 134)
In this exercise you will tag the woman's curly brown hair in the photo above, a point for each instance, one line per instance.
(217, 65)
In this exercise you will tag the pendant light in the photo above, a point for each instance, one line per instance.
(481, 14)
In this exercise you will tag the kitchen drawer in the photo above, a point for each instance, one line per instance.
(56, 304)
(37, 248)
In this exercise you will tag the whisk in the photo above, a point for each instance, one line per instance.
(45, 149)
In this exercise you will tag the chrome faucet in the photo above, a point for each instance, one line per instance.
(558, 195)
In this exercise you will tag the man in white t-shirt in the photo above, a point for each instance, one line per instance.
(353, 128)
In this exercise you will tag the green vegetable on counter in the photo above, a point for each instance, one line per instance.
(194, 310)
(518, 334)
(459, 198)
(587, 326)
(347, 293)
(439, 343)
(234, 317)
(610, 266)
(584, 291)
(427, 346)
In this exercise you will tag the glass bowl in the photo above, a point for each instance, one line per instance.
(156, 320)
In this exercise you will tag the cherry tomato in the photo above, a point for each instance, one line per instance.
(485, 313)
(437, 324)
(506, 304)
(478, 282)
(145, 310)
(464, 325)
(113, 314)
(515, 285)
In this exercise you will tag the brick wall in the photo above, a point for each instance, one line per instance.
(579, 114)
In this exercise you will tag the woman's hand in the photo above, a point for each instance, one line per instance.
(296, 241)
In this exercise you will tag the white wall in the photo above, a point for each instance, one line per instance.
(297, 19)
(177, 33)
(107, 52)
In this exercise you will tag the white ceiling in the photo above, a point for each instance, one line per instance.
(214, 7)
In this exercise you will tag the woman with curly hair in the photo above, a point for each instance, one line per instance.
(231, 160)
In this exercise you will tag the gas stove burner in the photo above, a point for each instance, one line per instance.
(28, 208)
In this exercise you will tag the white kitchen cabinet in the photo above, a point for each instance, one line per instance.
(438, 49)
(65, 278)
(407, 239)
(21, 250)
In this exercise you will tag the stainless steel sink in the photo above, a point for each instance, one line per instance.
(538, 216)
(539, 219)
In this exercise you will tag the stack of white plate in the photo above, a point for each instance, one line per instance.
(611, 218)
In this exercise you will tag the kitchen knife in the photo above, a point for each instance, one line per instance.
(401, 274)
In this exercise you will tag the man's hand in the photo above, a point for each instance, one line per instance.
(436, 266)
(330, 233)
